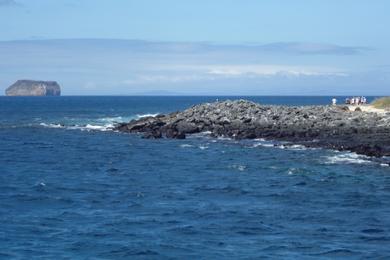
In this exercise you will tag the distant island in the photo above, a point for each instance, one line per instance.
(33, 88)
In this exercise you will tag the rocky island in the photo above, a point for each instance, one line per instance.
(335, 127)
(34, 88)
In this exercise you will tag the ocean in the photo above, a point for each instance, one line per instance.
(71, 188)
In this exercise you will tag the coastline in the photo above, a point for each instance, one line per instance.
(365, 132)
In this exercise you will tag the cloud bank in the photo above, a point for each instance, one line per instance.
(95, 66)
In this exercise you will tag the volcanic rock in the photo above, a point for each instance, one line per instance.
(34, 88)
(315, 126)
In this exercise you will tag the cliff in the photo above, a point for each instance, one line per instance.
(34, 88)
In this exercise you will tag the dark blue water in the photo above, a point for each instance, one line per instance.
(71, 188)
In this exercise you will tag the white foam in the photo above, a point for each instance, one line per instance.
(100, 124)
(224, 138)
(203, 147)
(205, 134)
(186, 145)
(347, 158)
(263, 144)
(297, 147)
(98, 127)
(90, 127)
(51, 125)
(291, 171)
(147, 115)
(238, 167)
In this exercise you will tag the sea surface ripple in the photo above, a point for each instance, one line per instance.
(72, 188)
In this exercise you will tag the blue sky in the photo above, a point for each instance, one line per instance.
(198, 47)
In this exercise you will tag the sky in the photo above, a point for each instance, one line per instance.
(198, 47)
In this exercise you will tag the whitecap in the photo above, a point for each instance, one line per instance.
(263, 144)
(51, 125)
(291, 171)
(347, 158)
(203, 147)
(224, 138)
(297, 147)
(90, 127)
(186, 145)
(94, 127)
(98, 127)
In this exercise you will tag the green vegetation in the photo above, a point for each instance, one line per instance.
(383, 103)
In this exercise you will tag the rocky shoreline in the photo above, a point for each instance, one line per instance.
(334, 127)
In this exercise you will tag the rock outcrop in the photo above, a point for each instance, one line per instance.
(333, 127)
(34, 88)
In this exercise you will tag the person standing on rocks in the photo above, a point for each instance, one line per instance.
(334, 101)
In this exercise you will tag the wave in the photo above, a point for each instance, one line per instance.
(297, 147)
(87, 127)
(260, 142)
(347, 158)
(52, 125)
(203, 147)
(97, 124)
(90, 127)
(264, 145)
(186, 145)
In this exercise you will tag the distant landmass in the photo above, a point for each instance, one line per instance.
(33, 88)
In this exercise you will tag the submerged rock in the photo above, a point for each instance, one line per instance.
(34, 88)
(316, 126)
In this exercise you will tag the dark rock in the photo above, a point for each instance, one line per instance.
(344, 108)
(331, 126)
(34, 88)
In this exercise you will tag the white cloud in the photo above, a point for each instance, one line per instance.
(152, 79)
(273, 70)
(192, 73)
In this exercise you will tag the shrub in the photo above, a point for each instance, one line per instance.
(383, 103)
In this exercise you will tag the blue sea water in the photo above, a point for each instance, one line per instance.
(70, 188)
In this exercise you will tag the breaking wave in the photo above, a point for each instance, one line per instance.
(347, 158)
(87, 127)
(99, 124)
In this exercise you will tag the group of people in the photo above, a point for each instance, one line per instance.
(356, 101)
